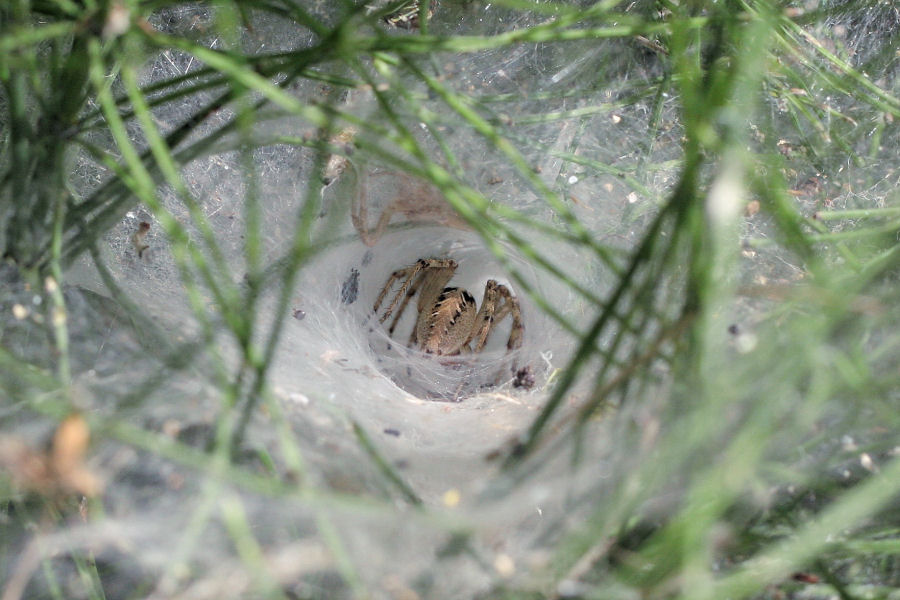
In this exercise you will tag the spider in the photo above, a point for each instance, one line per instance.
(448, 319)
(415, 199)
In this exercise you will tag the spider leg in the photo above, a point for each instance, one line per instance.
(498, 302)
(428, 274)
(425, 275)
(407, 274)
(517, 333)
(488, 315)
(413, 290)
(359, 212)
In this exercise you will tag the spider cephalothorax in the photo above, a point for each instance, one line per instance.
(449, 320)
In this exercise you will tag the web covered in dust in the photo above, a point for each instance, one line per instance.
(337, 371)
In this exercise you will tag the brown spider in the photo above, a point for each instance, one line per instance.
(448, 319)
(415, 199)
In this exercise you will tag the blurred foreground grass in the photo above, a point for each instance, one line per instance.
(749, 340)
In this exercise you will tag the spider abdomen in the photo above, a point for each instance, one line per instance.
(446, 329)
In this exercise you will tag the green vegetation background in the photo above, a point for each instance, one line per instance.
(776, 442)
